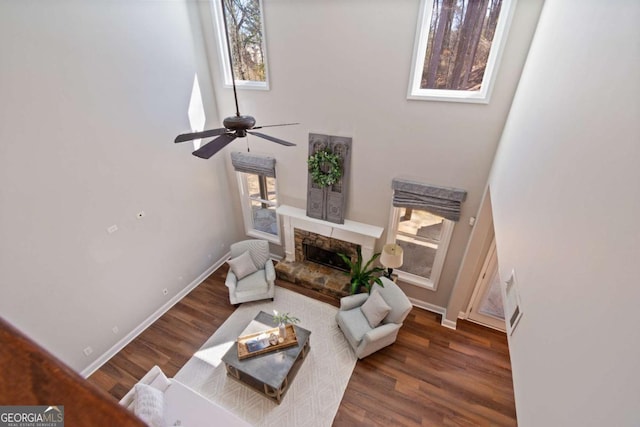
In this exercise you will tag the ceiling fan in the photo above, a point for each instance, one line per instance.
(237, 126)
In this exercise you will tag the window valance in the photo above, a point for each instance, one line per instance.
(443, 201)
(252, 163)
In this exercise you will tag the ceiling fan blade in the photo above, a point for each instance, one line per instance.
(198, 135)
(213, 146)
(271, 138)
(272, 126)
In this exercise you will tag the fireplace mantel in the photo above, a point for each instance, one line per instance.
(359, 233)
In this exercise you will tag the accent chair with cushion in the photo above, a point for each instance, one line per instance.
(251, 275)
(372, 321)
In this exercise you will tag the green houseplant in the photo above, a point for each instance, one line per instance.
(283, 318)
(362, 276)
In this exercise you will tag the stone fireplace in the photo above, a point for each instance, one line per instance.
(311, 248)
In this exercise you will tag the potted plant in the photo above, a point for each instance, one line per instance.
(363, 277)
(282, 319)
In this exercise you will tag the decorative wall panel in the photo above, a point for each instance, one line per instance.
(329, 203)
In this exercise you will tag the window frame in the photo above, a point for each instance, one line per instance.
(247, 213)
(420, 51)
(430, 283)
(225, 68)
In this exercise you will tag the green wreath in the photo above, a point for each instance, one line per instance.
(321, 159)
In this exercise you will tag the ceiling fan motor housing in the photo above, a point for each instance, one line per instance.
(239, 124)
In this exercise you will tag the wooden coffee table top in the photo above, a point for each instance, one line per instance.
(269, 368)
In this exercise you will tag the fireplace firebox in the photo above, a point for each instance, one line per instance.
(324, 257)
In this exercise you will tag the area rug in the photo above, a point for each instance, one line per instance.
(315, 393)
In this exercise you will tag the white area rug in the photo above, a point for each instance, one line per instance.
(315, 393)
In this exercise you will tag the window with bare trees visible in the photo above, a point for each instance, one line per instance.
(458, 45)
(246, 35)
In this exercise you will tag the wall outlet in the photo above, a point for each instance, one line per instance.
(115, 330)
(112, 229)
(165, 291)
(140, 215)
(87, 351)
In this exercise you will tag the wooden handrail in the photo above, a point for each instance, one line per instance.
(29, 375)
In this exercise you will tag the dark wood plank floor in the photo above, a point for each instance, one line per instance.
(431, 376)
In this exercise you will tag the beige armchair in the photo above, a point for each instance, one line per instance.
(251, 276)
(372, 321)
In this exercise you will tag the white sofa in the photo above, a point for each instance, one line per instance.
(184, 406)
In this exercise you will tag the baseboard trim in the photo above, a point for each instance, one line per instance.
(428, 306)
(434, 309)
(104, 358)
(451, 324)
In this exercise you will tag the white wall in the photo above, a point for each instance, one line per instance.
(342, 68)
(93, 94)
(566, 200)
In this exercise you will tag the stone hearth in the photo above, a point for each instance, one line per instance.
(326, 280)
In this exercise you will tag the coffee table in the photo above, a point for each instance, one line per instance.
(269, 373)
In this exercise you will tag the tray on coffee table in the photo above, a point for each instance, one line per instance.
(251, 345)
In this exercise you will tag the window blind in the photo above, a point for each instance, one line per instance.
(443, 201)
(251, 163)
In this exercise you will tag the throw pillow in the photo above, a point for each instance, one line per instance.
(149, 405)
(375, 308)
(242, 265)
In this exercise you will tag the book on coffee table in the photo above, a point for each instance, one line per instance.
(257, 344)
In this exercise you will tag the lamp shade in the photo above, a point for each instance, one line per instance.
(391, 255)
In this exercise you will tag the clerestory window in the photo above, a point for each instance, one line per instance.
(457, 49)
(248, 48)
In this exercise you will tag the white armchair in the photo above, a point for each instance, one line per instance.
(260, 282)
(387, 314)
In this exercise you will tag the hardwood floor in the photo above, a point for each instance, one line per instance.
(431, 376)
